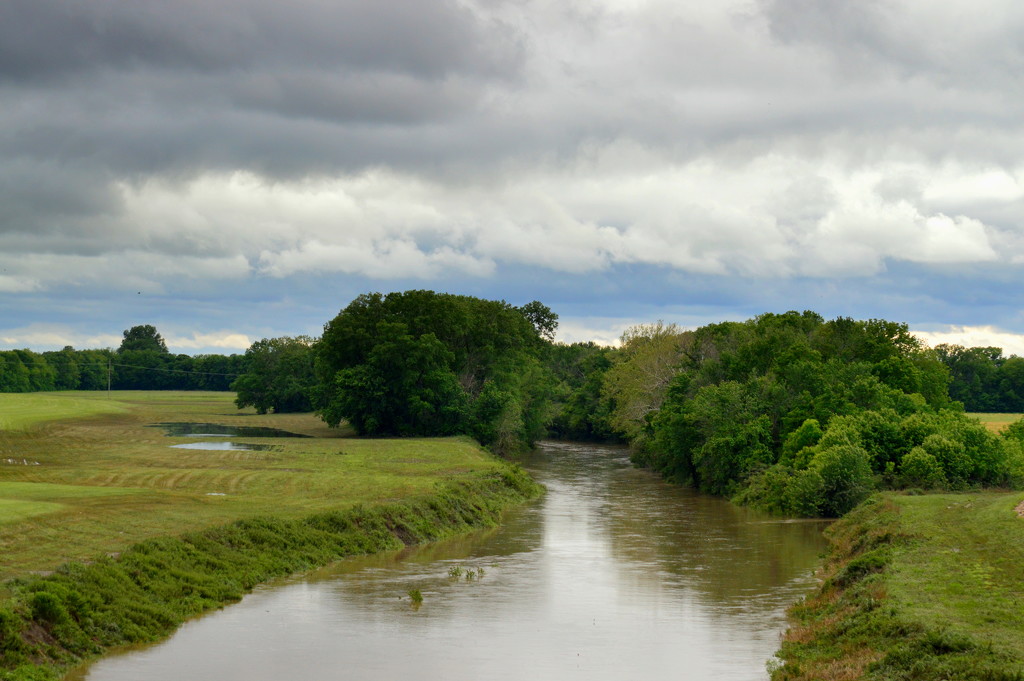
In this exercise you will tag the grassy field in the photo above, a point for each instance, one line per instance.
(21, 410)
(916, 587)
(87, 474)
(966, 567)
(996, 422)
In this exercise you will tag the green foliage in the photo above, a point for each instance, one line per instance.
(543, 320)
(846, 479)
(735, 408)
(767, 489)
(428, 363)
(951, 456)
(143, 338)
(804, 494)
(918, 468)
(580, 411)
(798, 445)
(637, 382)
(983, 379)
(130, 369)
(23, 371)
(279, 376)
(405, 387)
(1015, 430)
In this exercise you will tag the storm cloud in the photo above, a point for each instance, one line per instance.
(245, 148)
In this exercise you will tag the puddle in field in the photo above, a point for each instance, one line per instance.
(224, 446)
(219, 430)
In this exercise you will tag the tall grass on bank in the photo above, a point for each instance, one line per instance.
(82, 609)
(915, 587)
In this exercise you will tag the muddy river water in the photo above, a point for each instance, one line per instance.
(613, 574)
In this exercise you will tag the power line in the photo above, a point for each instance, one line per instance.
(169, 371)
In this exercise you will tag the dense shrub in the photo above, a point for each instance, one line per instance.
(918, 468)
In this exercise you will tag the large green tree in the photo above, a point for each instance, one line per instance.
(143, 337)
(426, 363)
(279, 375)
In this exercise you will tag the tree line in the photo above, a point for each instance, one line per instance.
(798, 415)
(786, 412)
(141, 362)
(984, 379)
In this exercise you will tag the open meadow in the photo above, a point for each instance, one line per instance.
(86, 473)
(996, 422)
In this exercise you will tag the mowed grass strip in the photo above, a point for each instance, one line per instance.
(21, 410)
(116, 480)
(12, 510)
(22, 500)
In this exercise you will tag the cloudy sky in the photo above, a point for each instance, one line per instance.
(241, 169)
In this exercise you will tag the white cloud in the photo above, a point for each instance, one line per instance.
(772, 215)
(221, 340)
(976, 336)
(45, 336)
(600, 330)
(17, 284)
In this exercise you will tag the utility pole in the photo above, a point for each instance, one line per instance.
(108, 378)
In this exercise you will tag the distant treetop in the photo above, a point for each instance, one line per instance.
(143, 337)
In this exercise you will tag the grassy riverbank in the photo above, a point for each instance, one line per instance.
(140, 536)
(77, 482)
(916, 587)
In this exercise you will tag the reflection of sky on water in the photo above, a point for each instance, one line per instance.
(189, 429)
(223, 446)
(612, 575)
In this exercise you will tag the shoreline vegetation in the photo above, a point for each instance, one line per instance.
(134, 543)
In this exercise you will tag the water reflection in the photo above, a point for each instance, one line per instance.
(612, 575)
(224, 446)
(185, 429)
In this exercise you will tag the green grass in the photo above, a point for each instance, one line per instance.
(12, 510)
(916, 587)
(23, 500)
(21, 410)
(967, 568)
(107, 479)
(996, 422)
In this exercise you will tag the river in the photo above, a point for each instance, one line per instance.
(613, 574)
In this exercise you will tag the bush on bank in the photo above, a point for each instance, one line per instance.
(53, 622)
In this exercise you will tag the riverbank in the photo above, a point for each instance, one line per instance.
(132, 537)
(76, 483)
(915, 587)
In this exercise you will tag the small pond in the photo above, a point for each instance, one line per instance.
(220, 430)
